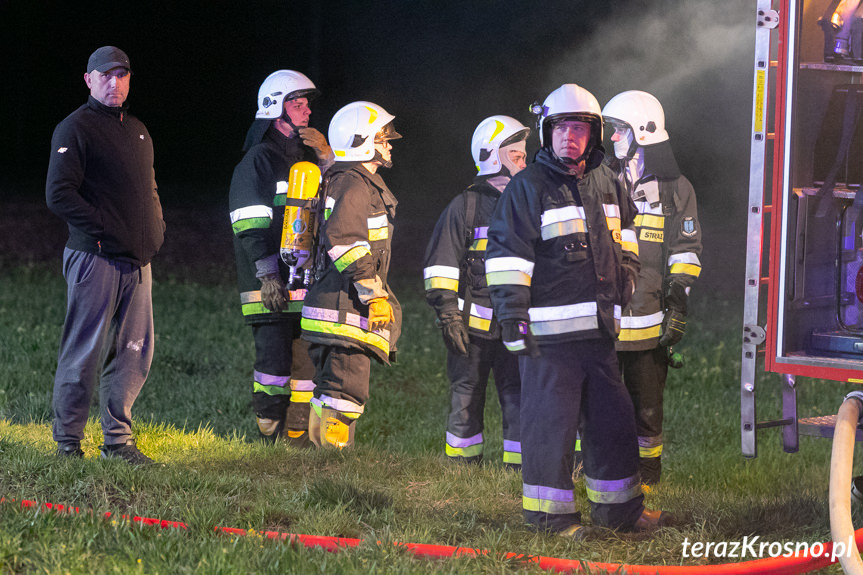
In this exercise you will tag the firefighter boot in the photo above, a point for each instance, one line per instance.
(651, 520)
(336, 429)
(315, 425)
(297, 425)
(270, 429)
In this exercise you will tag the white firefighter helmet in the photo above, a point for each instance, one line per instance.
(490, 136)
(572, 102)
(641, 112)
(279, 86)
(354, 129)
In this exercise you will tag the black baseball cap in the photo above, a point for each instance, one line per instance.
(106, 58)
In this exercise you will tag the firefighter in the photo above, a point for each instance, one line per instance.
(271, 301)
(351, 315)
(669, 245)
(562, 260)
(456, 288)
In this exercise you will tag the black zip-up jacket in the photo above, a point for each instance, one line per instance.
(557, 249)
(101, 182)
(452, 265)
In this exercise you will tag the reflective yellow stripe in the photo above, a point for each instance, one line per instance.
(471, 451)
(271, 389)
(379, 234)
(627, 334)
(650, 221)
(511, 277)
(340, 329)
(512, 457)
(479, 245)
(687, 269)
(441, 283)
(255, 308)
(351, 256)
(302, 396)
(479, 323)
(650, 451)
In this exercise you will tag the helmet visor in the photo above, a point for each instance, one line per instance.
(388, 132)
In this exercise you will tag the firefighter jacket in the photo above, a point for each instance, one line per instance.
(455, 259)
(557, 248)
(357, 237)
(257, 214)
(102, 183)
(669, 247)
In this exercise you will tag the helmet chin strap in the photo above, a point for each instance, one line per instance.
(380, 160)
(287, 119)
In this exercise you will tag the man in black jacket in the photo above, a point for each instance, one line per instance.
(101, 182)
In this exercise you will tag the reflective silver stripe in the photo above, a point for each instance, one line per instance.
(441, 272)
(628, 236)
(547, 499)
(564, 214)
(338, 251)
(559, 326)
(563, 319)
(611, 210)
(251, 212)
(563, 221)
(612, 490)
(255, 296)
(645, 208)
(684, 258)
(340, 405)
(480, 233)
(655, 441)
(302, 385)
(456, 441)
(477, 310)
(641, 321)
(377, 222)
(570, 311)
(507, 264)
(320, 313)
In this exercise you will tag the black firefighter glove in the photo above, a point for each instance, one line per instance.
(517, 337)
(455, 334)
(674, 324)
(274, 294)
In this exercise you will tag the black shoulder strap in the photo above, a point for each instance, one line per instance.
(469, 197)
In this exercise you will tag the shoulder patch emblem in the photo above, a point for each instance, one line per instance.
(62, 150)
(688, 227)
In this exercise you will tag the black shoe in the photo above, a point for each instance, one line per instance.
(128, 452)
(69, 450)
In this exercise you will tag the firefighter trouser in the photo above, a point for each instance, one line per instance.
(468, 377)
(644, 374)
(341, 378)
(107, 337)
(283, 374)
(566, 380)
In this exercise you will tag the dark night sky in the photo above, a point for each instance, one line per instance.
(440, 66)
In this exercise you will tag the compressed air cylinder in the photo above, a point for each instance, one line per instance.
(300, 205)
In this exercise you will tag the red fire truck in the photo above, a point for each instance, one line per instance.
(804, 243)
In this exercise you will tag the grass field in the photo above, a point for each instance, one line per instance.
(194, 418)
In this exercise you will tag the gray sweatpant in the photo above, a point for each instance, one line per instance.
(107, 337)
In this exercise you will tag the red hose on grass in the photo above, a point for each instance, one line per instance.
(768, 566)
